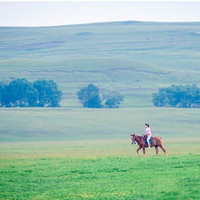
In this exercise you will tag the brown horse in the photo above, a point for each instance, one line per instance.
(157, 143)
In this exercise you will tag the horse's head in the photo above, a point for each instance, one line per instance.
(133, 137)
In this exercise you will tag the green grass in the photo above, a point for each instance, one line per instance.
(98, 170)
(57, 153)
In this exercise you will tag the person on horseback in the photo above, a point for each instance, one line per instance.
(148, 133)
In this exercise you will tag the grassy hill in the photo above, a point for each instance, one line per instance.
(133, 57)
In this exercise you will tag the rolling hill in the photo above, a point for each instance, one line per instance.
(135, 58)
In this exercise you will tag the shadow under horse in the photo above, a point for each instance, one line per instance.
(154, 141)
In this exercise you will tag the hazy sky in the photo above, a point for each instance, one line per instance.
(64, 13)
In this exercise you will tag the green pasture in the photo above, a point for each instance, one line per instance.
(57, 153)
(99, 169)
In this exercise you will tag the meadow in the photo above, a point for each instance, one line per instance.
(87, 154)
(98, 169)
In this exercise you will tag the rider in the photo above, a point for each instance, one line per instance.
(148, 133)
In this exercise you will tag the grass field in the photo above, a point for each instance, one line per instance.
(87, 154)
(99, 169)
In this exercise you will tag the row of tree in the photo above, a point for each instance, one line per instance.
(90, 97)
(45, 93)
(187, 96)
(22, 93)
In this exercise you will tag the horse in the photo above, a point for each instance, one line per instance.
(142, 145)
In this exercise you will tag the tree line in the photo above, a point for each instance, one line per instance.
(180, 96)
(22, 93)
(45, 93)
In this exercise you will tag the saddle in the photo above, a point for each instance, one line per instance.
(145, 140)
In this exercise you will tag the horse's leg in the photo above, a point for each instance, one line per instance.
(143, 150)
(156, 148)
(164, 150)
(138, 150)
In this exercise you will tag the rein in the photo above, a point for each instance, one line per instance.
(134, 139)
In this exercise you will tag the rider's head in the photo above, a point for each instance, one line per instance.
(147, 125)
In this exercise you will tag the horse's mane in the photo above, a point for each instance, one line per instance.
(140, 136)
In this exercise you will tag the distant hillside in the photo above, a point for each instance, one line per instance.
(133, 57)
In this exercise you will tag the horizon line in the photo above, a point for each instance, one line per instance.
(100, 22)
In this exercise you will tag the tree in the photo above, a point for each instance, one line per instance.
(178, 96)
(48, 93)
(114, 99)
(89, 96)
(22, 93)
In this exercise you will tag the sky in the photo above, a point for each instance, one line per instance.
(55, 13)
